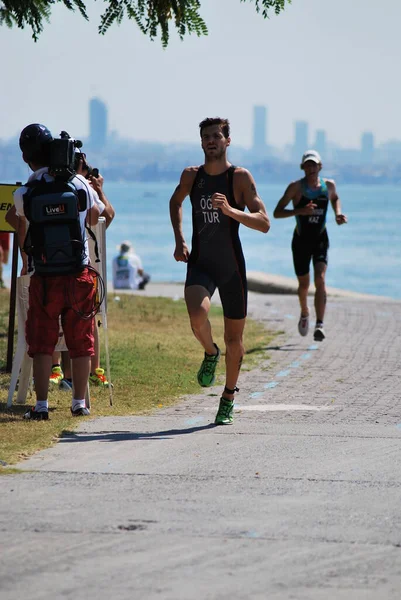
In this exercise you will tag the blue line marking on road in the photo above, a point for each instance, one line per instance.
(398, 426)
(270, 385)
(289, 316)
(251, 534)
(194, 421)
(313, 347)
(283, 373)
(305, 356)
(256, 395)
(295, 364)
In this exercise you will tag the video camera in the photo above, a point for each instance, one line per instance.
(64, 160)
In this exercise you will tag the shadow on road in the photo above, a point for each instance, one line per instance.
(122, 436)
(283, 348)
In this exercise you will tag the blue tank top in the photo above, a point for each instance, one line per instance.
(312, 226)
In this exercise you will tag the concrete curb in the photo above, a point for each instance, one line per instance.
(265, 283)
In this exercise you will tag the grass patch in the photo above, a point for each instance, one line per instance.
(154, 359)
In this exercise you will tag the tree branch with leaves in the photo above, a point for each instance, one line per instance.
(153, 17)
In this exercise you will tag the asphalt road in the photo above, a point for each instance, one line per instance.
(299, 499)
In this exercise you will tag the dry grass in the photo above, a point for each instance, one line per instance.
(154, 359)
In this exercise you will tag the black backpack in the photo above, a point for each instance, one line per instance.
(54, 241)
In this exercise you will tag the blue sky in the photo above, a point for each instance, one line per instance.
(334, 63)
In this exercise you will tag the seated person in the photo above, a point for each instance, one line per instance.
(128, 273)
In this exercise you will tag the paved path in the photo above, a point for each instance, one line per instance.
(299, 499)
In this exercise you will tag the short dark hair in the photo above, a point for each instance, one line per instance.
(224, 123)
(39, 157)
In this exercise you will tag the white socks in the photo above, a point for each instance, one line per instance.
(78, 404)
(42, 406)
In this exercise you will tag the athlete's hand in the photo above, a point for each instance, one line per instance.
(221, 202)
(181, 252)
(341, 219)
(306, 211)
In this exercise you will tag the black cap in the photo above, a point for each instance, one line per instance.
(32, 139)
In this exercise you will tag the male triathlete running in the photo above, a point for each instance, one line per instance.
(310, 197)
(219, 194)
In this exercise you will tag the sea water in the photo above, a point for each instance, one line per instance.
(364, 254)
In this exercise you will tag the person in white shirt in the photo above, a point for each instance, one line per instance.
(50, 295)
(128, 273)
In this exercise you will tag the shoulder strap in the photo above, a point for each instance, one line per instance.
(324, 187)
(230, 179)
(35, 183)
(93, 237)
(196, 178)
(230, 175)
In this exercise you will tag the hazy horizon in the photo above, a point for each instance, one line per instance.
(330, 64)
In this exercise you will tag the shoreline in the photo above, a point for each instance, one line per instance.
(263, 283)
(259, 282)
(267, 283)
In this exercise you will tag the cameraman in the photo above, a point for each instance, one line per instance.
(70, 295)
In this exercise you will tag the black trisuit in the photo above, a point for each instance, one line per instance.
(310, 239)
(216, 258)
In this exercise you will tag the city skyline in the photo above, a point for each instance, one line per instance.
(98, 132)
(99, 136)
(366, 153)
(329, 64)
(100, 140)
(101, 144)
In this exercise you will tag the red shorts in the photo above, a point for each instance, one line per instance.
(50, 297)
(5, 240)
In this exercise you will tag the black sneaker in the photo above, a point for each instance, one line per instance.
(34, 415)
(319, 333)
(81, 411)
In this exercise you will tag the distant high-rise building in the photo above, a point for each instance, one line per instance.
(367, 147)
(301, 139)
(97, 123)
(259, 129)
(321, 143)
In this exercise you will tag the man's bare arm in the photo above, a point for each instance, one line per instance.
(21, 229)
(247, 195)
(281, 212)
(335, 202)
(93, 215)
(293, 193)
(108, 212)
(12, 217)
(182, 190)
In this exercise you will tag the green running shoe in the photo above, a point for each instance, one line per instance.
(225, 414)
(56, 375)
(208, 367)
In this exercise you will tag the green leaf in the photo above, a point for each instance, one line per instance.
(153, 17)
